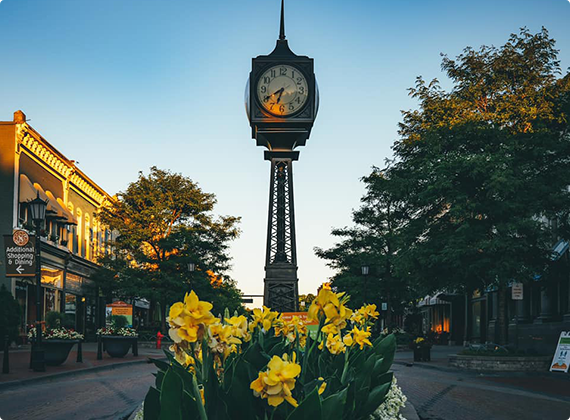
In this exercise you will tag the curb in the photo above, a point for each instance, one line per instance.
(409, 412)
(54, 376)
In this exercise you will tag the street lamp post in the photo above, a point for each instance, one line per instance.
(365, 270)
(191, 269)
(37, 209)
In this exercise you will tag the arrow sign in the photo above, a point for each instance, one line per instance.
(20, 253)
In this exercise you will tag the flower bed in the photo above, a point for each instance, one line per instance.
(122, 332)
(59, 333)
(265, 367)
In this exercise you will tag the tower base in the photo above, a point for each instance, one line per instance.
(281, 287)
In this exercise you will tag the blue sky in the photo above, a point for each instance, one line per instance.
(121, 85)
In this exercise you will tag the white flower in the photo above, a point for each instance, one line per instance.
(390, 408)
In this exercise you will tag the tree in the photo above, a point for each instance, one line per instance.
(162, 222)
(9, 316)
(374, 241)
(485, 168)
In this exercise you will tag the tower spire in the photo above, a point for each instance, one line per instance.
(282, 27)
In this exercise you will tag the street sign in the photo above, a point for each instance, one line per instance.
(517, 291)
(384, 306)
(561, 360)
(20, 253)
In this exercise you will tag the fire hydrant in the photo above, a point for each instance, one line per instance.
(159, 338)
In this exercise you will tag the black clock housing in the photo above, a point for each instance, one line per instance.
(281, 133)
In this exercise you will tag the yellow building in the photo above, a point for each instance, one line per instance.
(72, 239)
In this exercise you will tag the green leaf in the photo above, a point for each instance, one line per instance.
(309, 408)
(161, 364)
(387, 349)
(171, 397)
(376, 397)
(333, 406)
(152, 405)
(256, 357)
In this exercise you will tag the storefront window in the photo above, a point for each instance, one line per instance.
(51, 300)
(70, 309)
(52, 277)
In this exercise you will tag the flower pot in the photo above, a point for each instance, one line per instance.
(116, 345)
(417, 354)
(56, 351)
(426, 354)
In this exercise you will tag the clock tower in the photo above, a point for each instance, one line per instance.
(282, 99)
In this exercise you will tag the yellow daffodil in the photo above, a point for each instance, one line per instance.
(323, 386)
(278, 381)
(291, 330)
(189, 319)
(182, 356)
(221, 340)
(365, 313)
(334, 344)
(264, 317)
(331, 307)
(360, 337)
(239, 327)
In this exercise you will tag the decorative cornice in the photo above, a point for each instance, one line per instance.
(53, 159)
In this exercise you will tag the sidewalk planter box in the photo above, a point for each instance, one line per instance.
(422, 354)
(56, 351)
(500, 363)
(117, 345)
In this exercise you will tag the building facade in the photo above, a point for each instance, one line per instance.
(536, 311)
(72, 238)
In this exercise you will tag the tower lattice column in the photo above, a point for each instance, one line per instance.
(281, 289)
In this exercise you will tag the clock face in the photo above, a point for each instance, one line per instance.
(282, 90)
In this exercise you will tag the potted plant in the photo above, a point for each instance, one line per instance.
(422, 350)
(57, 341)
(118, 338)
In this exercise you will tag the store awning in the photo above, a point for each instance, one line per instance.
(433, 300)
(559, 249)
(62, 212)
(27, 190)
(70, 217)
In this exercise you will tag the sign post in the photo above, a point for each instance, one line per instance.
(20, 253)
(561, 360)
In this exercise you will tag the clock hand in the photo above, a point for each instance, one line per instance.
(279, 91)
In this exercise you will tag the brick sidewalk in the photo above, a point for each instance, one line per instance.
(20, 362)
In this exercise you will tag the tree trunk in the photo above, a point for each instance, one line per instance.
(466, 323)
(163, 317)
(502, 316)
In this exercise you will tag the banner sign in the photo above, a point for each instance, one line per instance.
(121, 308)
(517, 291)
(20, 252)
(561, 360)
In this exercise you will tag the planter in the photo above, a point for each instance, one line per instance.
(117, 345)
(422, 354)
(56, 351)
(501, 363)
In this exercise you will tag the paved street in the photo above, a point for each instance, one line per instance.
(110, 394)
(439, 394)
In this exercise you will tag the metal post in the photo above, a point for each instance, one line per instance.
(6, 361)
(79, 353)
(99, 348)
(38, 360)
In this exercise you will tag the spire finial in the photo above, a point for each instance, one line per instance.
(282, 28)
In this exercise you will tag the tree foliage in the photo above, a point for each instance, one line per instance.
(479, 177)
(162, 222)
